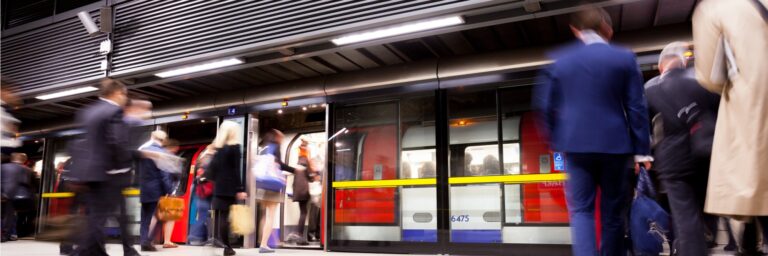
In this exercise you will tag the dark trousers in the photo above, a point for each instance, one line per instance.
(146, 235)
(303, 210)
(117, 184)
(98, 199)
(686, 199)
(221, 234)
(77, 202)
(9, 219)
(586, 173)
(314, 220)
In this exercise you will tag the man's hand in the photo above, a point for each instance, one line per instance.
(646, 164)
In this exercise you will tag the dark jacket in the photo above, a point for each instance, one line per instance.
(103, 146)
(301, 181)
(591, 101)
(16, 180)
(674, 97)
(224, 171)
(153, 182)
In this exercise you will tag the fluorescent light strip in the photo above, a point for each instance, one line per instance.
(66, 93)
(399, 30)
(200, 67)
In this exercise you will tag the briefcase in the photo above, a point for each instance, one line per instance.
(170, 208)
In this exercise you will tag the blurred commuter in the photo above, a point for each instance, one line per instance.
(8, 123)
(301, 180)
(224, 171)
(267, 198)
(591, 102)
(17, 193)
(687, 111)
(198, 230)
(731, 53)
(154, 184)
(102, 154)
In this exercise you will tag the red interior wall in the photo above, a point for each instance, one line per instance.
(543, 202)
(371, 205)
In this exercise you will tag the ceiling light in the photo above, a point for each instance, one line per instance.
(399, 30)
(279, 111)
(66, 93)
(200, 67)
(304, 108)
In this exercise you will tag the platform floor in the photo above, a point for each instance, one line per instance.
(35, 248)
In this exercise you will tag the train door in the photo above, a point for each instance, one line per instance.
(456, 171)
(304, 144)
(193, 136)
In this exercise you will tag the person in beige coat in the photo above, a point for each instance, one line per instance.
(738, 181)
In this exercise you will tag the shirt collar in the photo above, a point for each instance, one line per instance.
(589, 36)
(109, 101)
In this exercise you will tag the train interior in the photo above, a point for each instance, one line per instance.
(300, 125)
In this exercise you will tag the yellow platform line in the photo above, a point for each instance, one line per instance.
(126, 192)
(510, 179)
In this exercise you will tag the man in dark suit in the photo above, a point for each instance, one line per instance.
(102, 153)
(680, 102)
(591, 101)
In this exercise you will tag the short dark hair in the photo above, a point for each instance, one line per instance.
(109, 86)
(591, 17)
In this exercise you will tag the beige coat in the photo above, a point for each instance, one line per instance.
(738, 179)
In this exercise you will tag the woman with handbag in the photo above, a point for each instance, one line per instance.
(301, 195)
(224, 171)
(271, 197)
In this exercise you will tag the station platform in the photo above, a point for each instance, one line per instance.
(35, 248)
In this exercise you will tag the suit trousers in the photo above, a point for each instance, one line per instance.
(100, 206)
(586, 173)
(686, 200)
(145, 234)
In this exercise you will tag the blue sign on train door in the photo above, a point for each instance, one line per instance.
(559, 161)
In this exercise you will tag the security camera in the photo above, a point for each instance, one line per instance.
(88, 23)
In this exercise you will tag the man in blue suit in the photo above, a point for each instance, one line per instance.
(154, 183)
(592, 104)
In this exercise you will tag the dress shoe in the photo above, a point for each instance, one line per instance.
(148, 248)
(131, 252)
(229, 251)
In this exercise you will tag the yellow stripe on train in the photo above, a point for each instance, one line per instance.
(511, 179)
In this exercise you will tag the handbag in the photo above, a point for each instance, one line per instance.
(170, 208)
(315, 192)
(241, 219)
(268, 174)
(649, 224)
(204, 189)
(60, 228)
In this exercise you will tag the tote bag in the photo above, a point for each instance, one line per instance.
(268, 174)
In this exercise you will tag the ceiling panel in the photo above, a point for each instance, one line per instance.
(637, 15)
(673, 11)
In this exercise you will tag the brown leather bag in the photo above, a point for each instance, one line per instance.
(170, 208)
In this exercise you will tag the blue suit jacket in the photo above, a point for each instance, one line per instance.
(591, 101)
(154, 183)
